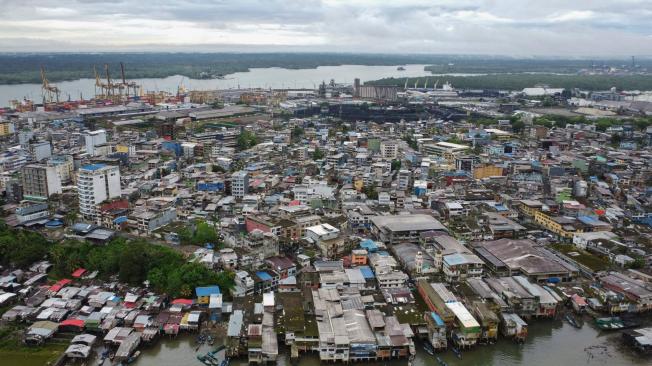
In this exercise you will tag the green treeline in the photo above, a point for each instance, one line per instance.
(520, 81)
(25, 68)
(550, 120)
(133, 261)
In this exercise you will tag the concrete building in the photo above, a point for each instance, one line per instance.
(40, 181)
(378, 92)
(95, 184)
(239, 184)
(40, 150)
(403, 228)
(93, 139)
(389, 149)
(64, 165)
(149, 220)
(508, 257)
(7, 128)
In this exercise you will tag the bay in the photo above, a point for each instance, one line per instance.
(255, 78)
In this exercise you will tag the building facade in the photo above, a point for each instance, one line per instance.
(95, 184)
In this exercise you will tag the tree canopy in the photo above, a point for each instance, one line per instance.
(246, 140)
(200, 233)
(135, 261)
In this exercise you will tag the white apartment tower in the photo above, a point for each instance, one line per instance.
(239, 184)
(97, 183)
(94, 138)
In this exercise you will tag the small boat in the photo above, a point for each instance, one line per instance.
(400, 68)
(133, 357)
(610, 323)
(572, 320)
(457, 352)
(428, 348)
(440, 361)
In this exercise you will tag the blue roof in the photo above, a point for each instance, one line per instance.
(500, 207)
(367, 273)
(93, 167)
(207, 290)
(54, 223)
(120, 219)
(437, 319)
(588, 220)
(369, 244)
(263, 276)
(455, 259)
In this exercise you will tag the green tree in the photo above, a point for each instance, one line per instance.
(396, 165)
(205, 233)
(297, 133)
(370, 192)
(317, 154)
(246, 139)
(615, 139)
(518, 126)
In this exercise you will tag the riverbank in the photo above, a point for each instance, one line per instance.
(551, 342)
(277, 78)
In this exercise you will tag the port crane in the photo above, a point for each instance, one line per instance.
(103, 88)
(112, 89)
(50, 92)
(130, 86)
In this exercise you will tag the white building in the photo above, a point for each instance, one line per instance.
(94, 138)
(41, 150)
(392, 279)
(97, 183)
(64, 165)
(316, 190)
(40, 181)
(188, 149)
(389, 149)
(322, 232)
(239, 184)
(403, 180)
(384, 199)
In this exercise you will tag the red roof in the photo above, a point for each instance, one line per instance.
(600, 212)
(72, 322)
(579, 300)
(294, 203)
(59, 285)
(55, 288)
(78, 272)
(182, 301)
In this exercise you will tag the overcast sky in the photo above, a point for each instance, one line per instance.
(499, 27)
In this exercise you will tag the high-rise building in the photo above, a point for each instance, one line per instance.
(7, 128)
(41, 150)
(64, 164)
(94, 138)
(97, 183)
(40, 181)
(239, 183)
(389, 149)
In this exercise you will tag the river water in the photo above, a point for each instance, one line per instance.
(255, 78)
(549, 343)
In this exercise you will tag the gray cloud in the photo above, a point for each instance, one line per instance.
(513, 27)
